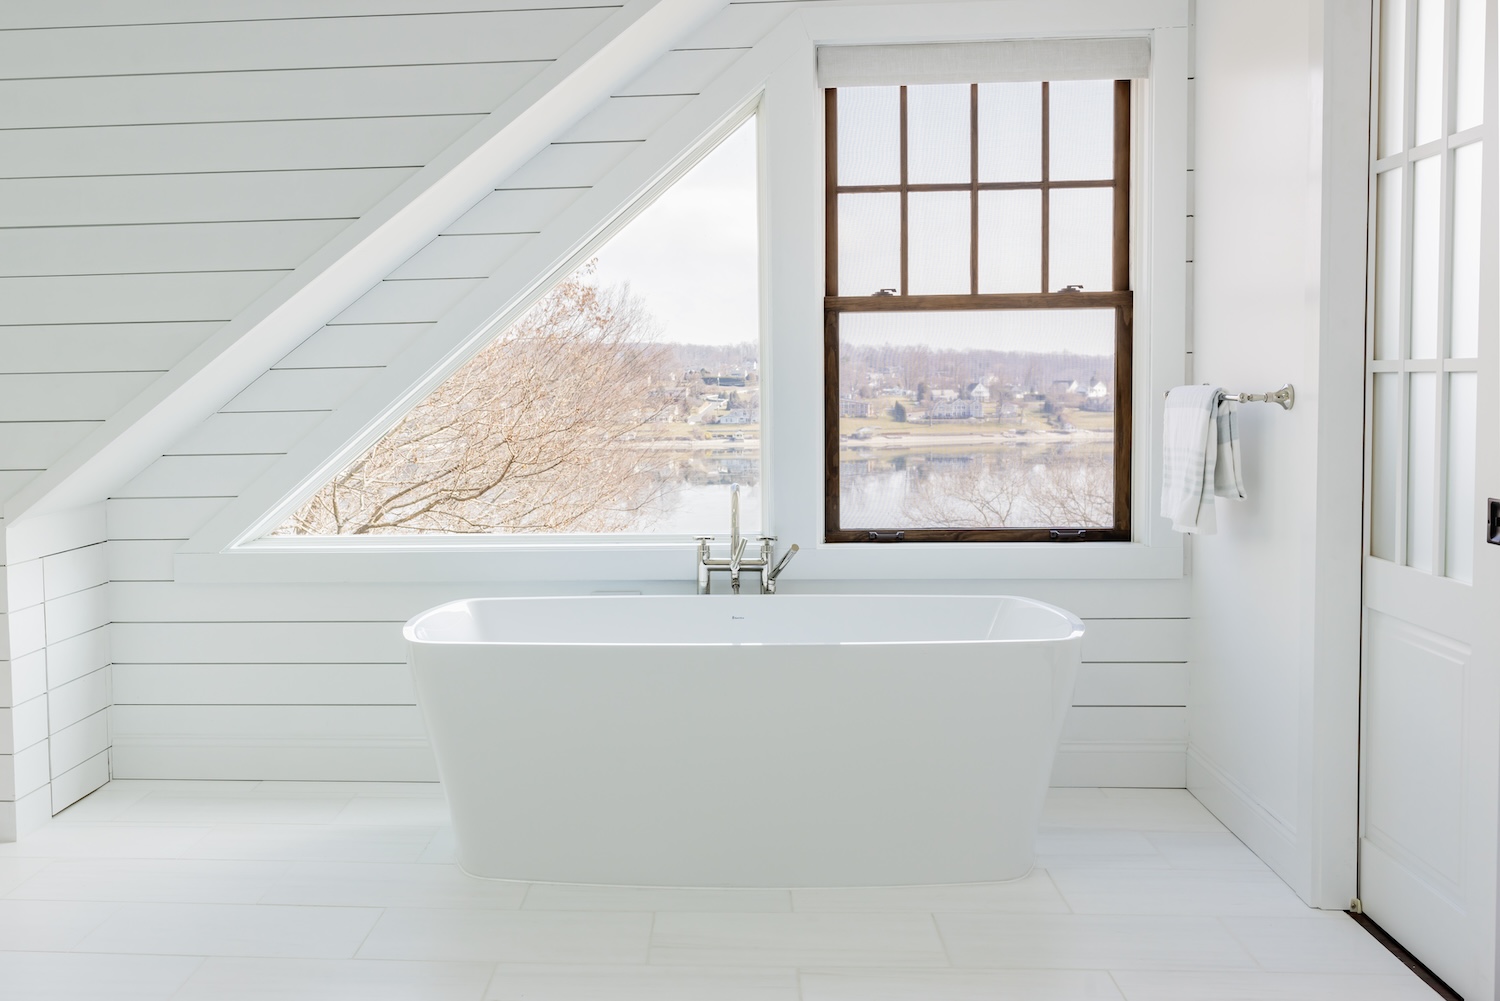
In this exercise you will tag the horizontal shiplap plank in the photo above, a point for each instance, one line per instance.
(352, 602)
(1131, 766)
(1107, 640)
(737, 26)
(197, 476)
(32, 769)
(462, 256)
(356, 344)
(357, 92)
(74, 658)
(292, 44)
(77, 700)
(350, 759)
(132, 298)
(77, 782)
(1119, 724)
(23, 726)
(232, 196)
(1131, 685)
(69, 396)
(185, 149)
(75, 569)
(59, 532)
(74, 745)
(234, 433)
(132, 518)
(415, 301)
(263, 684)
(258, 642)
(1093, 599)
(12, 480)
(621, 119)
(99, 346)
(681, 72)
(223, 246)
(506, 211)
(28, 631)
(268, 721)
(28, 677)
(32, 445)
(300, 389)
(564, 165)
(24, 584)
(92, 13)
(142, 559)
(76, 614)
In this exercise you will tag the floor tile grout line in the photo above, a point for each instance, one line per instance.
(1224, 923)
(942, 941)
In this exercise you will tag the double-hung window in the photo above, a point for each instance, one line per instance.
(978, 311)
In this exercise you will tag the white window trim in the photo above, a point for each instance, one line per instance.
(791, 205)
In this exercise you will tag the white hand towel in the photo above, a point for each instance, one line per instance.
(1190, 452)
(1228, 480)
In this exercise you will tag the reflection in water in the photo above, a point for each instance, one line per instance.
(1008, 485)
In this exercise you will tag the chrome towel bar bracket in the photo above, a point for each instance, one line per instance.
(1286, 396)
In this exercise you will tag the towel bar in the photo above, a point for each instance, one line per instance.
(1286, 396)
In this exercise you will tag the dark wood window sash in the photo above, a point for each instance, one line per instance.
(1120, 298)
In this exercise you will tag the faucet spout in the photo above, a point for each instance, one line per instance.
(769, 582)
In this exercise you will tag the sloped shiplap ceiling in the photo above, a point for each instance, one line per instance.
(164, 165)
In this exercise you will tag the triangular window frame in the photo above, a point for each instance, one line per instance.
(256, 534)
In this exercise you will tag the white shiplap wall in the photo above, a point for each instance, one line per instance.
(55, 748)
(310, 681)
(162, 164)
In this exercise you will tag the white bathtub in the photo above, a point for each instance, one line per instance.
(739, 740)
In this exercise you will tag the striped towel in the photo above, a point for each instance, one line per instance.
(1200, 457)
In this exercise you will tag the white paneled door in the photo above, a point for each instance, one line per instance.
(1431, 702)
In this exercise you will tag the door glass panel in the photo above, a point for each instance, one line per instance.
(869, 135)
(1080, 228)
(1463, 407)
(937, 140)
(1465, 302)
(1426, 225)
(1385, 474)
(1010, 241)
(1388, 265)
(1421, 470)
(938, 233)
(1469, 92)
(1010, 132)
(1392, 69)
(1429, 104)
(1081, 129)
(869, 243)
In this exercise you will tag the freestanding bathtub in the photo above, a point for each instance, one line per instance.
(739, 740)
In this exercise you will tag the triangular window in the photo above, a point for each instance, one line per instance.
(627, 400)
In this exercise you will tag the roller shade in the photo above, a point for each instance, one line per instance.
(1010, 61)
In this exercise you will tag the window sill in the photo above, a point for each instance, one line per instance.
(511, 562)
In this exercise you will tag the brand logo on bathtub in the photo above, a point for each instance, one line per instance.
(736, 618)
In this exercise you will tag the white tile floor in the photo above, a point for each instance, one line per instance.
(223, 891)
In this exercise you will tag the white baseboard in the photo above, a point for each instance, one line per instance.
(1136, 765)
(301, 759)
(1266, 834)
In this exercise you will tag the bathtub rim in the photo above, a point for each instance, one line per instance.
(1075, 624)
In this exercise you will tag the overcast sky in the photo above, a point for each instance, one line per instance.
(693, 254)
